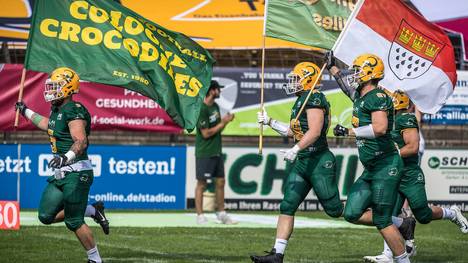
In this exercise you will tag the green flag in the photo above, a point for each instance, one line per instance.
(107, 43)
(316, 23)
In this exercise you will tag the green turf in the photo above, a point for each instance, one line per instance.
(440, 241)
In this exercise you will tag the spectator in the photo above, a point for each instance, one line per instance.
(209, 161)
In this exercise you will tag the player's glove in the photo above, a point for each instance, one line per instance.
(21, 107)
(262, 117)
(340, 130)
(58, 161)
(330, 59)
(291, 154)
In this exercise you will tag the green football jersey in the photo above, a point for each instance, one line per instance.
(405, 121)
(374, 100)
(209, 117)
(59, 133)
(299, 128)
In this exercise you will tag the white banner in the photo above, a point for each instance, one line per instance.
(460, 93)
(446, 174)
(254, 182)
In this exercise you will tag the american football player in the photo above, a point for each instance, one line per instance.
(372, 122)
(66, 194)
(412, 186)
(313, 163)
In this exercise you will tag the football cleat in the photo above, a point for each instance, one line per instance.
(100, 217)
(459, 219)
(407, 228)
(270, 257)
(92, 261)
(382, 258)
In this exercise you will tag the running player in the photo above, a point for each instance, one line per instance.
(313, 163)
(372, 120)
(412, 187)
(66, 195)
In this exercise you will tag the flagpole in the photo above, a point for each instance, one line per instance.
(260, 137)
(20, 96)
(335, 45)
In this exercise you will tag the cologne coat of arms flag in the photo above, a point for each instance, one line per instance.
(418, 56)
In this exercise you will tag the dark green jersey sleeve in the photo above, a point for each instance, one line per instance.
(75, 111)
(378, 101)
(406, 121)
(317, 100)
(203, 119)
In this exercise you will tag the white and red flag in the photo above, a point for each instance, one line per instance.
(418, 56)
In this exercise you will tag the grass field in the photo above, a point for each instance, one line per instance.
(440, 241)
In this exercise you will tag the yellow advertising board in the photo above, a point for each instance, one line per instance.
(215, 24)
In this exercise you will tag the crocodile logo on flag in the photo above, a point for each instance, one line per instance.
(412, 53)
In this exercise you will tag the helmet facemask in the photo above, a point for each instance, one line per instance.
(53, 90)
(354, 78)
(294, 83)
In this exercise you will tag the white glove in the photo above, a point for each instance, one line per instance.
(262, 117)
(291, 154)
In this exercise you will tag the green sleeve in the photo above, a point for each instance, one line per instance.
(407, 121)
(203, 121)
(378, 101)
(316, 100)
(75, 111)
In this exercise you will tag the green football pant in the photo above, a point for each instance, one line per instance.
(70, 194)
(376, 188)
(412, 187)
(318, 172)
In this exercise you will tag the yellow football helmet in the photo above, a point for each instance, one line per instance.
(365, 67)
(401, 101)
(62, 83)
(302, 77)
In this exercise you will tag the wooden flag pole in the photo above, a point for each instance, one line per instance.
(310, 92)
(20, 96)
(260, 136)
(260, 139)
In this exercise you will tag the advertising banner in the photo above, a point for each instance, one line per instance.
(241, 96)
(134, 177)
(9, 215)
(212, 23)
(446, 174)
(114, 108)
(455, 111)
(255, 182)
(111, 108)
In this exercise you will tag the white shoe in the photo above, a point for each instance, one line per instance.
(459, 219)
(201, 219)
(410, 248)
(224, 218)
(382, 258)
